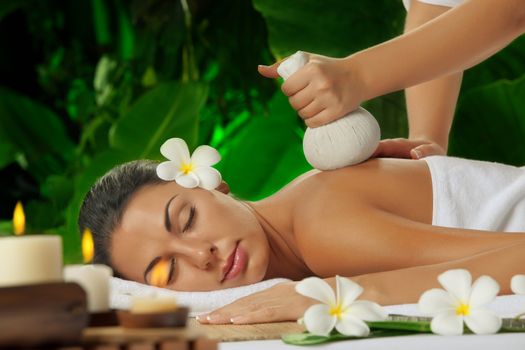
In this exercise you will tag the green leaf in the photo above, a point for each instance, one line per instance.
(490, 123)
(168, 110)
(331, 27)
(6, 228)
(251, 158)
(36, 131)
(97, 167)
(7, 153)
(310, 339)
(8, 6)
(506, 64)
(58, 189)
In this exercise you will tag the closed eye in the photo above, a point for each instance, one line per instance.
(191, 219)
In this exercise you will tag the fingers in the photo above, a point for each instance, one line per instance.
(426, 150)
(300, 100)
(311, 110)
(405, 148)
(250, 314)
(324, 117)
(269, 71)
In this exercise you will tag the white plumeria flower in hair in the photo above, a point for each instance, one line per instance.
(340, 310)
(461, 302)
(517, 284)
(189, 171)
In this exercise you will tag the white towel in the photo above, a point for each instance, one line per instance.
(477, 195)
(198, 302)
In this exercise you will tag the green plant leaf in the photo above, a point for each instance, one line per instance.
(8, 6)
(332, 27)
(490, 123)
(264, 156)
(506, 64)
(37, 132)
(168, 110)
(7, 153)
(6, 228)
(98, 166)
(311, 339)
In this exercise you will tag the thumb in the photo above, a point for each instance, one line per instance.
(269, 71)
(426, 150)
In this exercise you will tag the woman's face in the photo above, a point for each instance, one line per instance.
(210, 240)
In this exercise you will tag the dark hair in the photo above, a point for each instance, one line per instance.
(105, 202)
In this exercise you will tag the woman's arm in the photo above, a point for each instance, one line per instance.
(407, 285)
(451, 43)
(283, 303)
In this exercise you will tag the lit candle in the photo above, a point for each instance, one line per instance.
(29, 259)
(155, 303)
(93, 278)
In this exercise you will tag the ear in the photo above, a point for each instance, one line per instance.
(223, 187)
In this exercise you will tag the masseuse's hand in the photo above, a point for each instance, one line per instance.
(278, 303)
(323, 90)
(405, 148)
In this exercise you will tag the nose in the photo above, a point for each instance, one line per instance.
(199, 253)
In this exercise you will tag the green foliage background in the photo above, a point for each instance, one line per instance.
(86, 85)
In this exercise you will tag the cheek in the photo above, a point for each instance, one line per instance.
(190, 278)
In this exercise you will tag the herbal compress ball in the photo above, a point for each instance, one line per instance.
(346, 141)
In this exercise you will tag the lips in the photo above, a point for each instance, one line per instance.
(235, 263)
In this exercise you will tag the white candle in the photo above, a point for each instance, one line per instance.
(30, 260)
(94, 279)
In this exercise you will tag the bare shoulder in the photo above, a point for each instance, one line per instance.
(333, 207)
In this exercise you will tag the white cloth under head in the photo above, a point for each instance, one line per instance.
(199, 302)
(477, 195)
(448, 3)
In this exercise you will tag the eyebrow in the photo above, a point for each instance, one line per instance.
(167, 221)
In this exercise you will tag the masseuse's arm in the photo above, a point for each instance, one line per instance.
(430, 105)
(453, 42)
(325, 88)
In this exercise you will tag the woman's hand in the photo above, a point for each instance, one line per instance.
(278, 303)
(405, 148)
(323, 90)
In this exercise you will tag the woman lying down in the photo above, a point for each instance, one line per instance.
(391, 225)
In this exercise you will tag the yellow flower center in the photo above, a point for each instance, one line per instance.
(463, 309)
(186, 168)
(336, 311)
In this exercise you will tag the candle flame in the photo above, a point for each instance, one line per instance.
(88, 247)
(160, 274)
(19, 219)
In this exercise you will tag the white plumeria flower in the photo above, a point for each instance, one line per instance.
(517, 284)
(340, 310)
(461, 301)
(189, 171)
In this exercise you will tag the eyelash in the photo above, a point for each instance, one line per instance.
(191, 219)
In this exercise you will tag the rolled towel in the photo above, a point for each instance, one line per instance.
(199, 302)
